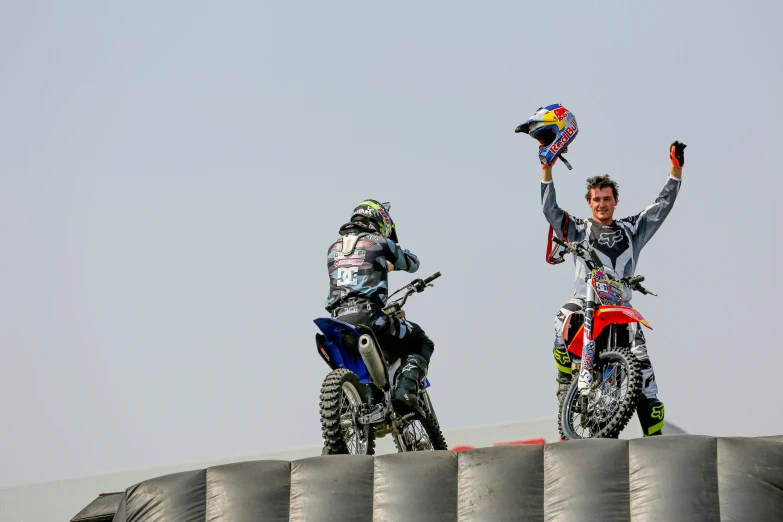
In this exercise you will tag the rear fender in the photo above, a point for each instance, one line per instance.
(323, 351)
(602, 318)
(340, 347)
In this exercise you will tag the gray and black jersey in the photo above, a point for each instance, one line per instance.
(358, 270)
(619, 244)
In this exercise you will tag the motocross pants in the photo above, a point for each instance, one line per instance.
(649, 409)
(403, 339)
(399, 337)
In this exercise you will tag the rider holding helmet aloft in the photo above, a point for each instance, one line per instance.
(618, 244)
(358, 264)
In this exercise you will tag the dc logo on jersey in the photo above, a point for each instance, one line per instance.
(610, 239)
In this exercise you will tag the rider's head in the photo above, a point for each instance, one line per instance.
(372, 215)
(602, 196)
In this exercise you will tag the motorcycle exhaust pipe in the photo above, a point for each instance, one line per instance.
(372, 359)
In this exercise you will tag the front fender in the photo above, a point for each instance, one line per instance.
(602, 318)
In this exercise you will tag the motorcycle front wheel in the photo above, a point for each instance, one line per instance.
(342, 395)
(605, 412)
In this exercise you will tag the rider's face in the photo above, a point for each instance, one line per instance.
(602, 202)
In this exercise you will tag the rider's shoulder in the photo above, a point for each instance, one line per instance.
(370, 240)
(368, 236)
(365, 240)
(629, 221)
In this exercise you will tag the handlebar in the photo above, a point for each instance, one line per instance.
(420, 285)
(635, 280)
(634, 283)
(589, 255)
(432, 278)
(417, 285)
(578, 250)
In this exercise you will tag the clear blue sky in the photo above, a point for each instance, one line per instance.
(171, 175)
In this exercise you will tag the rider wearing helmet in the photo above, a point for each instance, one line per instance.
(358, 264)
(618, 244)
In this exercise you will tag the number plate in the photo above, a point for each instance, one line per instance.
(609, 292)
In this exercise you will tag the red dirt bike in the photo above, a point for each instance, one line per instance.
(606, 377)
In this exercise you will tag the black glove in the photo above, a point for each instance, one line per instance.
(677, 154)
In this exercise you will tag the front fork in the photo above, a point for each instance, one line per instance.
(588, 344)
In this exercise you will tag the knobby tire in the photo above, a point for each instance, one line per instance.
(331, 399)
(431, 427)
(624, 411)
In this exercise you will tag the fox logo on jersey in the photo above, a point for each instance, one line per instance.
(610, 239)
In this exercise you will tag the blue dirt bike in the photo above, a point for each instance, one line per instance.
(350, 419)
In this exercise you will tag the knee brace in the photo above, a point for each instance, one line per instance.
(562, 361)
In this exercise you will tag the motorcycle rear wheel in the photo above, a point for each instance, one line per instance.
(342, 394)
(613, 403)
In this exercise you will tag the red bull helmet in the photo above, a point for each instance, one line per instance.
(555, 128)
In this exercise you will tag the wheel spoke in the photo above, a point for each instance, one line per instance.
(610, 402)
(416, 437)
(342, 398)
(421, 433)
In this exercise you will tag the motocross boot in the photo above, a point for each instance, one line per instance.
(650, 413)
(563, 365)
(406, 393)
(563, 383)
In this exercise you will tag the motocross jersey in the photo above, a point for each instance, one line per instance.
(358, 276)
(619, 244)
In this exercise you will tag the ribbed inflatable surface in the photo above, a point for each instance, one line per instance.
(672, 478)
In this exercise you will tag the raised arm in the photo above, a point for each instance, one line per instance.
(400, 259)
(649, 220)
(553, 213)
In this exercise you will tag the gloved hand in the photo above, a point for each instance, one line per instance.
(677, 154)
(553, 161)
(545, 165)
